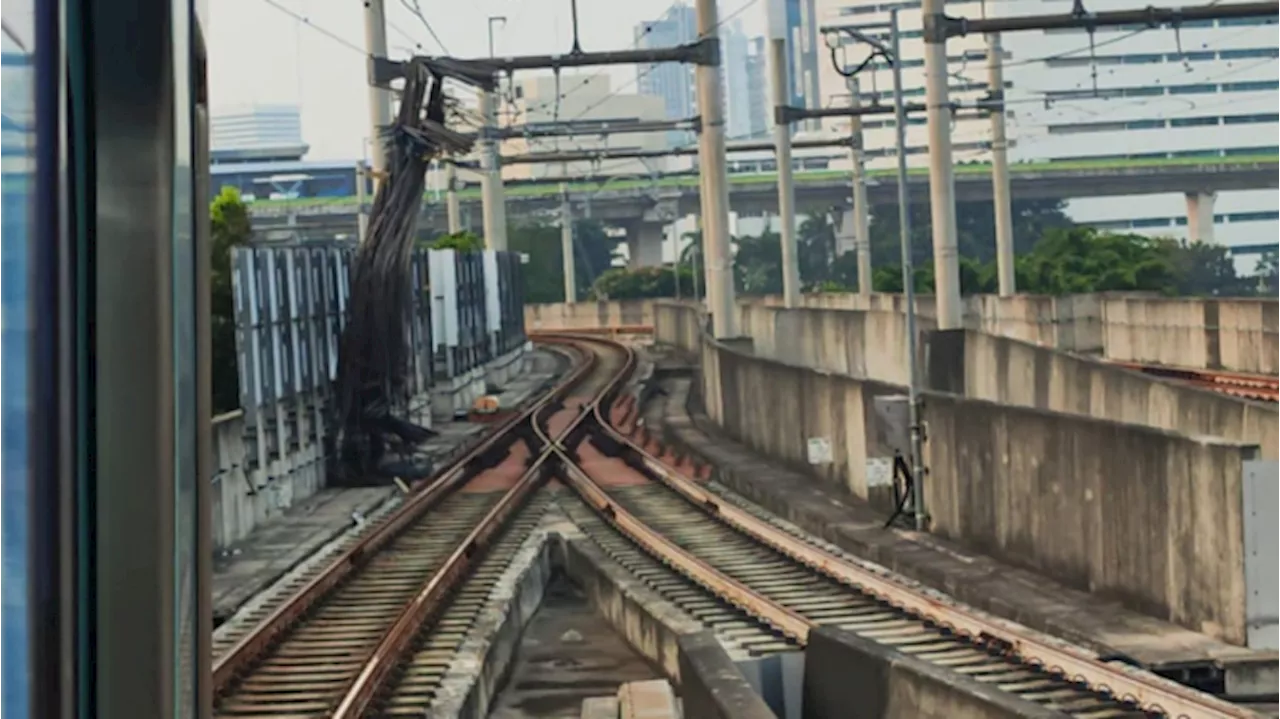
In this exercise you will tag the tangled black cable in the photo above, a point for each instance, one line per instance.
(373, 357)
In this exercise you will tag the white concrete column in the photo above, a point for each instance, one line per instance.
(644, 244)
(375, 40)
(1200, 216)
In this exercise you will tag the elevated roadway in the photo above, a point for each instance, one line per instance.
(627, 200)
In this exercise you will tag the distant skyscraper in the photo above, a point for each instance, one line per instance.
(257, 133)
(736, 82)
(673, 82)
(759, 102)
(802, 41)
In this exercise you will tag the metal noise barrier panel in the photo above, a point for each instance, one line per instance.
(291, 304)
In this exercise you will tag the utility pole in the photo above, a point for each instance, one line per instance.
(452, 208)
(492, 200)
(861, 213)
(362, 214)
(715, 201)
(942, 189)
(1001, 192)
(908, 278)
(782, 153)
(375, 42)
(566, 245)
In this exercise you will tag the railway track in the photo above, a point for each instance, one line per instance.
(332, 648)
(373, 633)
(1262, 388)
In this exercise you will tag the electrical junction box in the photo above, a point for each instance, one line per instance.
(893, 422)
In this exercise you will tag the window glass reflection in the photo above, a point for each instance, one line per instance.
(17, 161)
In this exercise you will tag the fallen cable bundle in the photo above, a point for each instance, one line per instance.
(373, 357)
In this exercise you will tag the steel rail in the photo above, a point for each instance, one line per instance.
(258, 640)
(430, 599)
(784, 620)
(1120, 680)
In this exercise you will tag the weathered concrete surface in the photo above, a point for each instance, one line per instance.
(1121, 510)
(1009, 371)
(588, 315)
(647, 621)
(651, 699)
(567, 654)
(1040, 602)
(848, 677)
(711, 686)
(484, 660)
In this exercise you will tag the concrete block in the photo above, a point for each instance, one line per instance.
(652, 699)
(711, 685)
(599, 708)
(848, 677)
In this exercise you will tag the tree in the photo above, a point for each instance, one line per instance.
(229, 227)
(544, 273)
(621, 283)
(464, 241)
(1268, 273)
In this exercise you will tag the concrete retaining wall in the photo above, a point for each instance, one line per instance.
(247, 493)
(1005, 370)
(1145, 516)
(848, 677)
(1237, 335)
(711, 687)
(587, 315)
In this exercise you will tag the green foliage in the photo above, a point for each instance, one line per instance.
(465, 241)
(229, 227)
(621, 283)
(544, 273)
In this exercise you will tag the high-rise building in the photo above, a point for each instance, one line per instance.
(673, 82)
(744, 78)
(802, 70)
(759, 105)
(256, 133)
(1210, 92)
(737, 88)
(583, 98)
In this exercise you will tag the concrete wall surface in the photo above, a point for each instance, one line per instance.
(588, 315)
(848, 677)
(711, 687)
(1151, 518)
(1237, 335)
(247, 493)
(1009, 371)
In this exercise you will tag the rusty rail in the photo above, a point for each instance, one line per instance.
(1146, 689)
(431, 598)
(252, 646)
(1237, 384)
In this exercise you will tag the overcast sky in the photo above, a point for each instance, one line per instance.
(261, 54)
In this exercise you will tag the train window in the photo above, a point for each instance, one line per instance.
(17, 157)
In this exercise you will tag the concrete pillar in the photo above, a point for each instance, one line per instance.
(644, 244)
(1200, 216)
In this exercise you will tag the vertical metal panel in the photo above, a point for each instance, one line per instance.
(1261, 498)
(136, 452)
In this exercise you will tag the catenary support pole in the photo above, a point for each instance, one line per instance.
(715, 201)
(786, 182)
(362, 212)
(908, 280)
(942, 190)
(566, 245)
(452, 208)
(861, 213)
(491, 195)
(1001, 193)
(375, 42)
